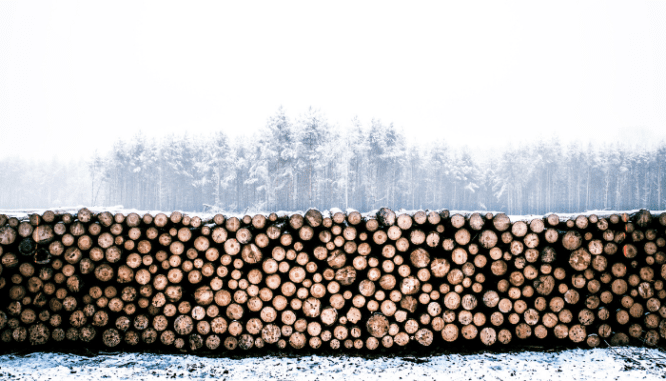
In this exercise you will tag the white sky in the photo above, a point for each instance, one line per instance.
(75, 76)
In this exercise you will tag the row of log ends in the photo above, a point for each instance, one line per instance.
(331, 282)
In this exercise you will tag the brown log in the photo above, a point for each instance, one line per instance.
(572, 240)
(386, 217)
(523, 331)
(580, 259)
(498, 268)
(501, 222)
(111, 338)
(7, 235)
(450, 332)
(404, 221)
(577, 333)
(488, 239)
(553, 219)
(519, 229)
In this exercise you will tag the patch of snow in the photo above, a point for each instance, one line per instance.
(578, 364)
(207, 216)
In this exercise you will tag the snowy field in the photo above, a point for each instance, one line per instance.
(25, 213)
(577, 364)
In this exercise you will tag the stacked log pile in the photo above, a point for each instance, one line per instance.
(341, 282)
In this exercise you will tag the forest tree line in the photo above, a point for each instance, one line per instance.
(295, 164)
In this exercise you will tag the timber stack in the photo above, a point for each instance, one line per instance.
(333, 281)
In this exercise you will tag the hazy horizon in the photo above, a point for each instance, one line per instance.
(77, 76)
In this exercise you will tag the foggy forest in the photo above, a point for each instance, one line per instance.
(302, 162)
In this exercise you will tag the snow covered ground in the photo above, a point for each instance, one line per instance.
(24, 213)
(576, 364)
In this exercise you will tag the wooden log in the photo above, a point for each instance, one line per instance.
(434, 218)
(501, 222)
(488, 239)
(457, 221)
(7, 235)
(519, 229)
(386, 217)
(580, 259)
(450, 332)
(553, 219)
(111, 338)
(572, 240)
(476, 221)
